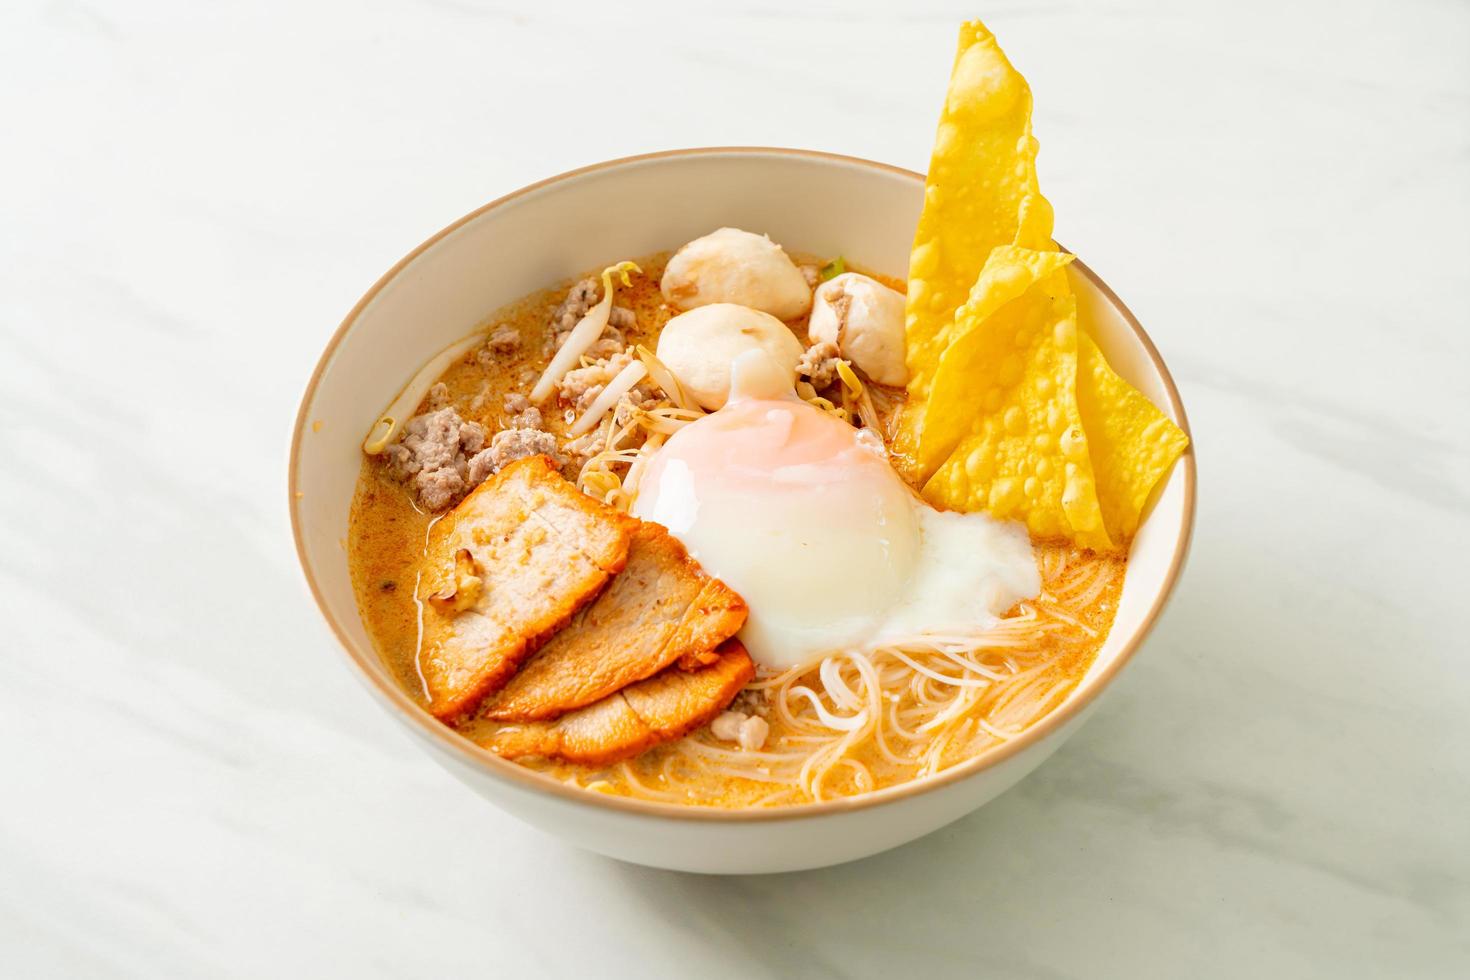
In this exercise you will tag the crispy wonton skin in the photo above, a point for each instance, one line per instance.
(1011, 408)
(665, 707)
(1009, 379)
(928, 433)
(981, 192)
(1132, 442)
(505, 569)
(661, 608)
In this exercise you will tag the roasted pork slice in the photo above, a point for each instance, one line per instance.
(667, 706)
(698, 659)
(659, 609)
(505, 569)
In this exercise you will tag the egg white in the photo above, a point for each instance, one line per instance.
(828, 546)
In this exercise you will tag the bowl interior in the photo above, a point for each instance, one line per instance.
(811, 203)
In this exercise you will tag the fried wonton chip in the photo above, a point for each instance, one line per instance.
(1004, 397)
(928, 433)
(1132, 443)
(981, 192)
(1010, 410)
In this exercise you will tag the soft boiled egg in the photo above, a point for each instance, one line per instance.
(804, 517)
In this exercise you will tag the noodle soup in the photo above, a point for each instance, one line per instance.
(731, 528)
(842, 722)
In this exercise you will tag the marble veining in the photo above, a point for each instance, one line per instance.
(193, 196)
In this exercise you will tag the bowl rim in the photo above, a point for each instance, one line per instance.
(504, 769)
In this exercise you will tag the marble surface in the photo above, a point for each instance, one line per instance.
(193, 196)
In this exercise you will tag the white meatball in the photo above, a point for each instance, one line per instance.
(734, 266)
(700, 346)
(864, 318)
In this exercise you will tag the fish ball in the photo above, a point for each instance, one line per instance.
(701, 345)
(864, 318)
(734, 266)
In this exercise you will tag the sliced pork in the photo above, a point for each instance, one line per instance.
(665, 707)
(661, 608)
(503, 571)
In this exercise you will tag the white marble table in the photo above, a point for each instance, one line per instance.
(192, 196)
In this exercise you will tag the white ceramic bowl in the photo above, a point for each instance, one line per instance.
(810, 202)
